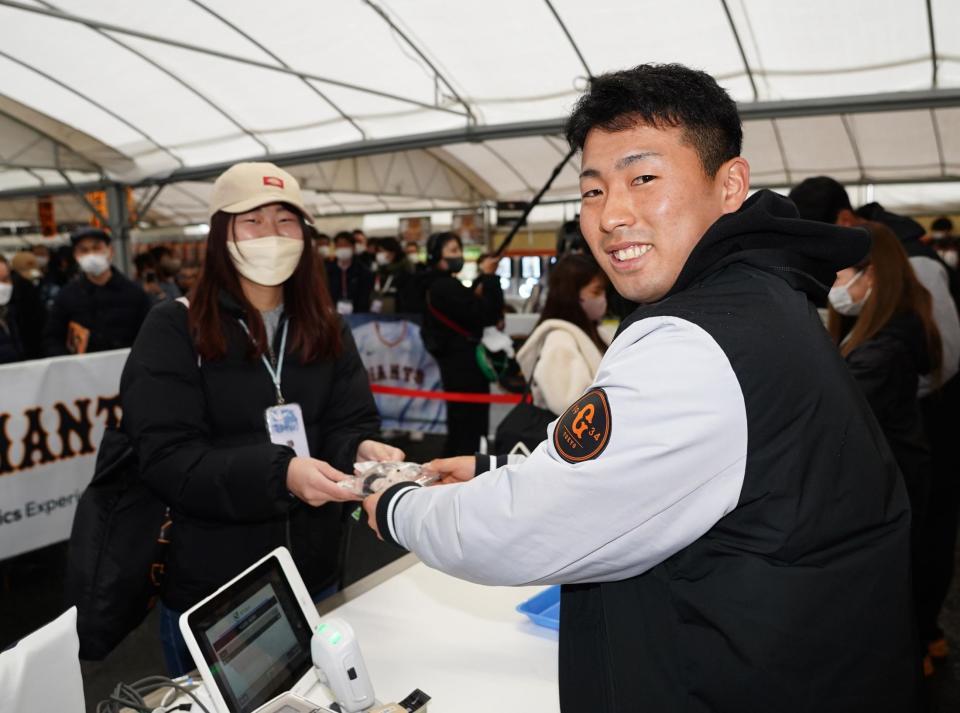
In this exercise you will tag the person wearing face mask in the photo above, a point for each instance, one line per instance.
(393, 279)
(561, 355)
(454, 317)
(10, 347)
(324, 249)
(258, 343)
(349, 281)
(365, 249)
(100, 309)
(881, 318)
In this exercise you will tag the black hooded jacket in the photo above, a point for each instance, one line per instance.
(887, 367)
(199, 430)
(799, 598)
(721, 507)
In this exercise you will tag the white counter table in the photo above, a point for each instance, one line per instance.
(463, 644)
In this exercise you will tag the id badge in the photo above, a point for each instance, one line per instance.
(285, 426)
(376, 306)
(344, 307)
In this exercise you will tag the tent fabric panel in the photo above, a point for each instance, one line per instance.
(817, 144)
(487, 56)
(890, 141)
(347, 42)
(112, 76)
(762, 152)
(257, 99)
(650, 31)
(836, 41)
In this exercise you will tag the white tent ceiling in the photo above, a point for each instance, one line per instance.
(395, 105)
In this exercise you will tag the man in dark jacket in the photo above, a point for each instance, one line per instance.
(350, 281)
(101, 309)
(10, 347)
(721, 507)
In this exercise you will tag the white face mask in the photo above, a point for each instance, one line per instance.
(267, 261)
(42, 261)
(383, 259)
(324, 251)
(595, 307)
(841, 300)
(360, 248)
(6, 292)
(414, 257)
(94, 264)
(343, 254)
(950, 257)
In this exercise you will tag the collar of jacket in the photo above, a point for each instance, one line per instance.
(767, 233)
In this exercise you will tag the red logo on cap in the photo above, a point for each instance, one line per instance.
(273, 181)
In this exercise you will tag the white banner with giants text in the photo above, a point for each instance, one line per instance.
(52, 416)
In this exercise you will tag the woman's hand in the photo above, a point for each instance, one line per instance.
(374, 450)
(453, 470)
(315, 482)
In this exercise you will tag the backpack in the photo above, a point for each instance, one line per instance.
(117, 552)
(115, 559)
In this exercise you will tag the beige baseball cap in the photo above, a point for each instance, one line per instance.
(245, 186)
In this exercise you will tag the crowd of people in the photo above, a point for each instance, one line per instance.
(887, 343)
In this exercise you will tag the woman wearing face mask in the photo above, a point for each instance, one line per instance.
(10, 347)
(350, 282)
(561, 355)
(880, 316)
(260, 343)
(393, 278)
(454, 318)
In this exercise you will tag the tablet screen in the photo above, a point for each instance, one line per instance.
(254, 638)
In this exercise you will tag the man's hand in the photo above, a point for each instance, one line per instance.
(381, 452)
(488, 265)
(452, 470)
(315, 482)
(370, 506)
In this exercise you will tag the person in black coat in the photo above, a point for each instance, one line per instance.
(454, 318)
(100, 309)
(196, 391)
(892, 343)
(350, 281)
(10, 347)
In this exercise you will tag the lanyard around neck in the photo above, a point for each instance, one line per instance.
(275, 374)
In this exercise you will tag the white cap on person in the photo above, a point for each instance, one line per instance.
(245, 186)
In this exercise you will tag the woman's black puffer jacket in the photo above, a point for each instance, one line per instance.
(199, 431)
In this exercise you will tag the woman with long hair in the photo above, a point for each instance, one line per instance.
(454, 317)
(561, 355)
(247, 404)
(892, 341)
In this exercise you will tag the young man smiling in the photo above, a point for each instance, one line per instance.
(727, 521)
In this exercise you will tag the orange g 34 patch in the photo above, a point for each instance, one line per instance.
(583, 431)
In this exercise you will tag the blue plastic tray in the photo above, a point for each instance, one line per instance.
(543, 608)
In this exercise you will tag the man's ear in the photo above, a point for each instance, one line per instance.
(847, 218)
(734, 177)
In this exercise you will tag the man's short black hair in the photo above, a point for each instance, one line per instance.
(662, 96)
(820, 198)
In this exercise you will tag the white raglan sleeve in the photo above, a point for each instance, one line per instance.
(671, 465)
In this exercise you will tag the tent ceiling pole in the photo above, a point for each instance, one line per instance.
(107, 27)
(90, 101)
(563, 26)
(899, 101)
(436, 72)
(283, 64)
(743, 54)
(79, 193)
(933, 45)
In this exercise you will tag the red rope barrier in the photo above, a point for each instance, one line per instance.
(458, 396)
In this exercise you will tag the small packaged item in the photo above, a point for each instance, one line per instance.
(373, 477)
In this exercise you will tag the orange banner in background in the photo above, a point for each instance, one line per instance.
(48, 221)
(98, 199)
